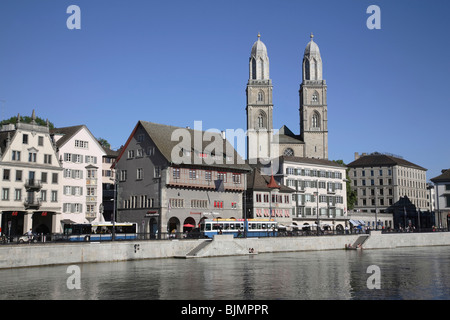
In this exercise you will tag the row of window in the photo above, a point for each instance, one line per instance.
(314, 173)
(32, 157)
(78, 174)
(78, 158)
(371, 182)
(264, 197)
(208, 175)
(142, 201)
(18, 194)
(25, 139)
(303, 198)
(139, 153)
(275, 213)
(78, 208)
(302, 184)
(31, 176)
(78, 191)
(312, 211)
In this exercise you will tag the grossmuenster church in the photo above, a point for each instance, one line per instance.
(312, 142)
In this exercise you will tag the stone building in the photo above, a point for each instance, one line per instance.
(170, 178)
(31, 179)
(381, 180)
(312, 142)
(442, 191)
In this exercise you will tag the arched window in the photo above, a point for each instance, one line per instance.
(253, 69)
(315, 97)
(307, 75)
(288, 152)
(315, 120)
(261, 120)
(261, 96)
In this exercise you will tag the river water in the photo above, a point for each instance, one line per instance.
(407, 273)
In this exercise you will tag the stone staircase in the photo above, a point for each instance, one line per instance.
(360, 241)
(220, 245)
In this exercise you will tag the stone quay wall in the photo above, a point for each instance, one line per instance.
(29, 255)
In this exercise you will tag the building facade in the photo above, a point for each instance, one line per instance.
(442, 191)
(81, 157)
(259, 104)
(266, 199)
(262, 143)
(168, 186)
(381, 180)
(319, 191)
(31, 177)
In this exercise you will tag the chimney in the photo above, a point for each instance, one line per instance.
(356, 156)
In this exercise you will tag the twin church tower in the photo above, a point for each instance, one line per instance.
(313, 139)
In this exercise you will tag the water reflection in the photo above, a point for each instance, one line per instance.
(412, 273)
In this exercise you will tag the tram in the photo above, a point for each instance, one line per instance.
(101, 231)
(239, 227)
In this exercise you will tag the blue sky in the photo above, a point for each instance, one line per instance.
(175, 62)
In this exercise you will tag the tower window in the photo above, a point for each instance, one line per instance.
(315, 98)
(260, 96)
(261, 121)
(315, 120)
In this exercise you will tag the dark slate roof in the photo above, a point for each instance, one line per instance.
(380, 160)
(111, 153)
(324, 162)
(66, 132)
(258, 181)
(161, 136)
(444, 177)
(286, 136)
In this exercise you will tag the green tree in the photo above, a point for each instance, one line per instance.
(104, 143)
(351, 194)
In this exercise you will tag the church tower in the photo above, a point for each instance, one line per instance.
(313, 104)
(259, 104)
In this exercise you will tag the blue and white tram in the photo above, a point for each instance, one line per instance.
(238, 227)
(101, 231)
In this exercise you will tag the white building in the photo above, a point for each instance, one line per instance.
(320, 191)
(81, 157)
(442, 189)
(30, 181)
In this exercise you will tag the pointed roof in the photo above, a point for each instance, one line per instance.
(444, 177)
(260, 182)
(312, 48)
(259, 48)
(272, 184)
(161, 135)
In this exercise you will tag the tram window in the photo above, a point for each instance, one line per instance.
(259, 225)
(208, 227)
(250, 226)
(264, 226)
(241, 226)
(232, 226)
(226, 226)
(215, 226)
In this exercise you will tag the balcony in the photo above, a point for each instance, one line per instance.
(31, 203)
(33, 185)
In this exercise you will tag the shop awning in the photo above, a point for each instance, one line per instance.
(354, 222)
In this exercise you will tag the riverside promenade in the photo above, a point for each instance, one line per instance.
(29, 255)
